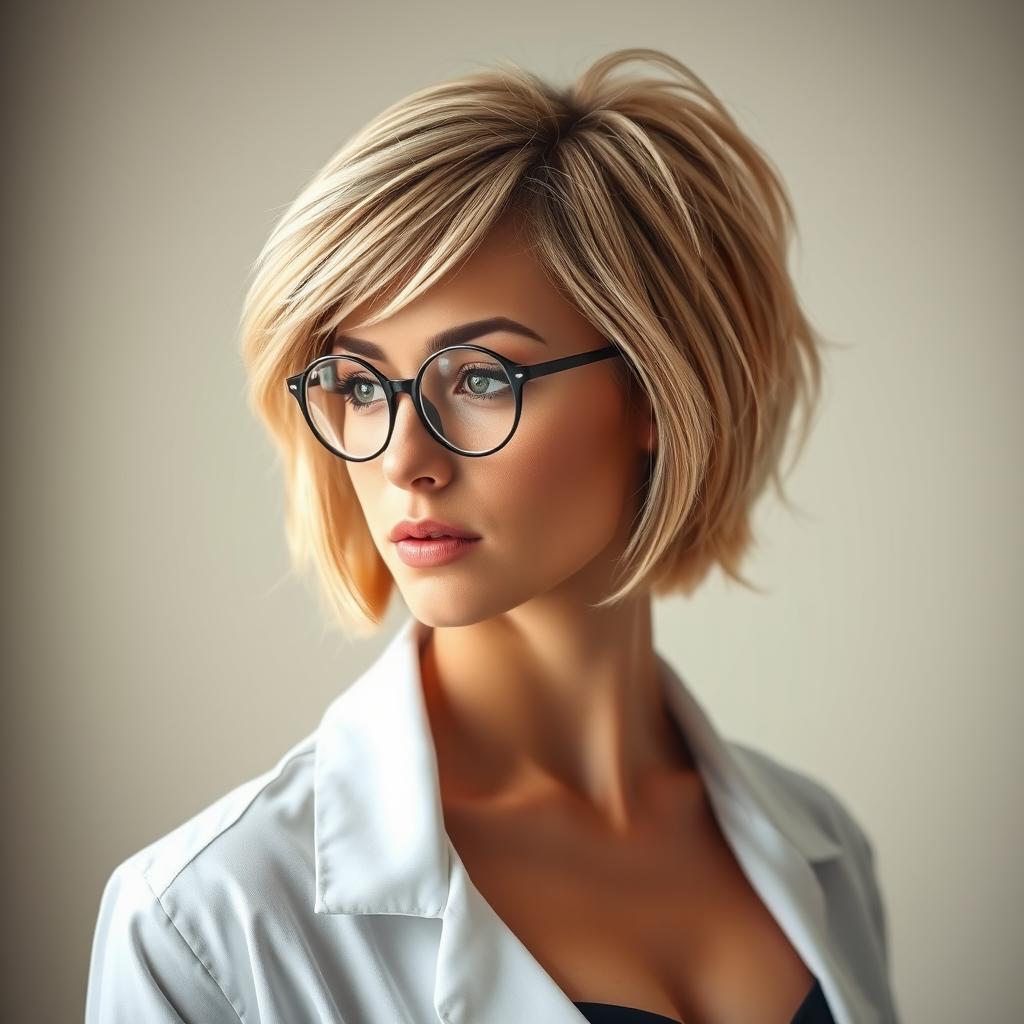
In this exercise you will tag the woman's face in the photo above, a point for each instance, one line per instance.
(555, 505)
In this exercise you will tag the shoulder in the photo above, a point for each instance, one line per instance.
(173, 914)
(829, 811)
(263, 816)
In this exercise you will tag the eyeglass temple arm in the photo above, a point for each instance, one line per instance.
(526, 373)
(294, 383)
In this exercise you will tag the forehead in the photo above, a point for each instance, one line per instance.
(500, 278)
(453, 335)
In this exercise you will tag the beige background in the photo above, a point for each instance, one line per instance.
(156, 653)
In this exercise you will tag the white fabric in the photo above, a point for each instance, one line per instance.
(327, 889)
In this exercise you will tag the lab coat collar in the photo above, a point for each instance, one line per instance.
(381, 845)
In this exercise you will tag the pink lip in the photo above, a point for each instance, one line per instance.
(431, 552)
(425, 527)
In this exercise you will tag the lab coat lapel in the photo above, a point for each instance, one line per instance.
(779, 845)
(484, 972)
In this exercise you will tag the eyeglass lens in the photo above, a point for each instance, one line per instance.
(467, 398)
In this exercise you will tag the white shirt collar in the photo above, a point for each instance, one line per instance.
(380, 840)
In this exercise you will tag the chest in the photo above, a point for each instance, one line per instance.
(662, 919)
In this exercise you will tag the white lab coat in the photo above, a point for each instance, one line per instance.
(327, 889)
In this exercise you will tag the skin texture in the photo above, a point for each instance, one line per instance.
(567, 788)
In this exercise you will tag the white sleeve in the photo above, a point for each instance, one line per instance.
(876, 904)
(876, 907)
(141, 967)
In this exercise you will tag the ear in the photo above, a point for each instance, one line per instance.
(650, 439)
(646, 426)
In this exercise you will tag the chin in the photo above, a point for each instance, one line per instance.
(438, 616)
(444, 604)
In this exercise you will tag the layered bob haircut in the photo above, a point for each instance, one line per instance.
(647, 207)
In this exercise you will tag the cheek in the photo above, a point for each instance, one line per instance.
(366, 486)
(566, 476)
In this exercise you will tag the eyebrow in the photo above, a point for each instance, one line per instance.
(449, 336)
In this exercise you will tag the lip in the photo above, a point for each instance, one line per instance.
(433, 551)
(423, 527)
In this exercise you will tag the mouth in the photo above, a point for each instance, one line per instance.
(426, 552)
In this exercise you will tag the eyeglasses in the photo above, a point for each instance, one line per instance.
(469, 398)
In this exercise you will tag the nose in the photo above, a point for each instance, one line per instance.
(414, 457)
(431, 412)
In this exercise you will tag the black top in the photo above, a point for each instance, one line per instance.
(813, 1010)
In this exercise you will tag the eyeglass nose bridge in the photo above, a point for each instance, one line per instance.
(425, 409)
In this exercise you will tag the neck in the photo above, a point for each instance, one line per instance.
(552, 701)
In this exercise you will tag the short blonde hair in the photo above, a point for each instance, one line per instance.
(647, 207)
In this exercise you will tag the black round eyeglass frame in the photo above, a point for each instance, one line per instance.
(518, 373)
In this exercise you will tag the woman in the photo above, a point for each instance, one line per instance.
(529, 357)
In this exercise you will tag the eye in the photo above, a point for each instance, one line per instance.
(357, 390)
(479, 379)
